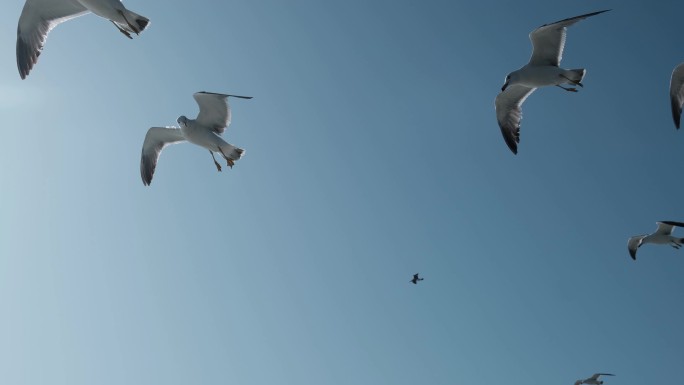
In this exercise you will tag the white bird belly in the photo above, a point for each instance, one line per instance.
(540, 76)
(109, 9)
(203, 137)
(659, 239)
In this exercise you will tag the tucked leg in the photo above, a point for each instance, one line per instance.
(572, 81)
(229, 161)
(218, 166)
(567, 89)
(128, 35)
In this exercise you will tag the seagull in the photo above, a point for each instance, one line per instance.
(677, 93)
(593, 380)
(542, 70)
(39, 17)
(205, 131)
(416, 279)
(662, 235)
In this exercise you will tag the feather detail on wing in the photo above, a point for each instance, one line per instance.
(548, 40)
(156, 139)
(508, 106)
(37, 19)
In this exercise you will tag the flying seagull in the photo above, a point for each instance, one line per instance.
(662, 235)
(593, 380)
(416, 279)
(677, 93)
(39, 17)
(542, 70)
(205, 131)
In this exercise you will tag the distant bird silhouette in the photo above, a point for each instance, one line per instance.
(593, 380)
(416, 279)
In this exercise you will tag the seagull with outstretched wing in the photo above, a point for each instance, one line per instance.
(593, 380)
(39, 17)
(205, 131)
(662, 236)
(543, 69)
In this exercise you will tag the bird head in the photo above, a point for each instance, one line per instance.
(182, 121)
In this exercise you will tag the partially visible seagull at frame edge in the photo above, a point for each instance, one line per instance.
(543, 69)
(205, 131)
(416, 279)
(39, 17)
(677, 93)
(662, 236)
(593, 380)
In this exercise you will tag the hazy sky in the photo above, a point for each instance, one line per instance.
(372, 153)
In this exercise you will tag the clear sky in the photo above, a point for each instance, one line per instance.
(372, 153)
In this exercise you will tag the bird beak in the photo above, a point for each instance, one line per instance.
(504, 86)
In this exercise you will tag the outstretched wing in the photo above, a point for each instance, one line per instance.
(677, 93)
(548, 40)
(666, 227)
(37, 19)
(596, 375)
(633, 244)
(672, 223)
(508, 106)
(156, 139)
(214, 110)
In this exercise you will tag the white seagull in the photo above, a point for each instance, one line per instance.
(593, 380)
(663, 235)
(41, 16)
(677, 93)
(542, 70)
(205, 131)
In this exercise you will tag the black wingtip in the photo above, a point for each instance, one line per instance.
(676, 112)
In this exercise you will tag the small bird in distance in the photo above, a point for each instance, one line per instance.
(593, 380)
(416, 279)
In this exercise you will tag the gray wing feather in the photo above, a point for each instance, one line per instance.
(156, 139)
(214, 111)
(508, 106)
(633, 244)
(548, 40)
(666, 227)
(37, 19)
(596, 375)
(677, 93)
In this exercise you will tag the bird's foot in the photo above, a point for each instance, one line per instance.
(230, 163)
(218, 166)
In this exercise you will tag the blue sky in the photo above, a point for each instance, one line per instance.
(372, 153)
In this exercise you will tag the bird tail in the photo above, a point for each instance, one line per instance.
(231, 152)
(137, 23)
(576, 75)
